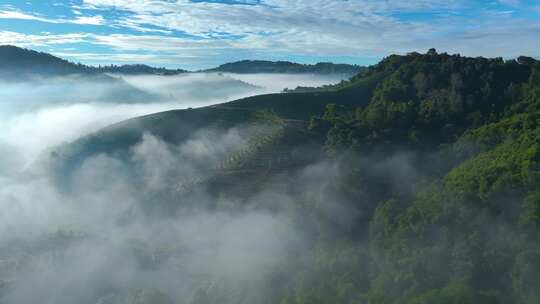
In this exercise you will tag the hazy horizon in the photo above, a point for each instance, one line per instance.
(34, 114)
(202, 34)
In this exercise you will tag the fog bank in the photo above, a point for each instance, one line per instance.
(35, 116)
(125, 229)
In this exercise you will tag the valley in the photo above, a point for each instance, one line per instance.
(354, 192)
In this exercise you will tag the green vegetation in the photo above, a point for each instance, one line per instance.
(138, 69)
(16, 62)
(438, 157)
(264, 130)
(465, 228)
(286, 67)
(468, 232)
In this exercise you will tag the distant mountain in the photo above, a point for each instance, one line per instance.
(286, 67)
(18, 63)
(138, 69)
(70, 79)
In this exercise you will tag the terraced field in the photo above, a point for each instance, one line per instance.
(269, 158)
(272, 164)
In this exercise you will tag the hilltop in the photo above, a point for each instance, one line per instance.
(17, 62)
(286, 67)
(138, 69)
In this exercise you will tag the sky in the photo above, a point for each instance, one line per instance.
(196, 34)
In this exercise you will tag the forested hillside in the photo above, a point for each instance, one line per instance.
(462, 225)
(18, 63)
(415, 182)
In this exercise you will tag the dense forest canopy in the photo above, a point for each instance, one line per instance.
(463, 227)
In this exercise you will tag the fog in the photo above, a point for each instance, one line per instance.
(289, 81)
(39, 114)
(123, 232)
(157, 224)
(109, 237)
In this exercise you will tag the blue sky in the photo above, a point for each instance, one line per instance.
(197, 34)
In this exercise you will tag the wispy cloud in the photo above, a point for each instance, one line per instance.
(354, 28)
(294, 29)
(92, 20)
(23, 16)
(88, 20)
(272, 16)
(127, 57)
(7, 37)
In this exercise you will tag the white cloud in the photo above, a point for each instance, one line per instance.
(275, 16)
(88, 20)
(23, 16)
(318, 28)
(157, 43)
(120, 57)
(315, 28)
(24, 40)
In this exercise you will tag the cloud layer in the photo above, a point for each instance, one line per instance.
(199, 33)
(40, 114)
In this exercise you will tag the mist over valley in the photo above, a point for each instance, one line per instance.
(269, 152)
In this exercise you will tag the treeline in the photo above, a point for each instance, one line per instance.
(286, 67)
(138, 69)
(17, 62)
(428, 96)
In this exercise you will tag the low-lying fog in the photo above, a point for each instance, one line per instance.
(290, 81)
(43, 113)
(94, 244)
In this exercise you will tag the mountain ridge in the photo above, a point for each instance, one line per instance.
(284, 67)
(14, 59)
